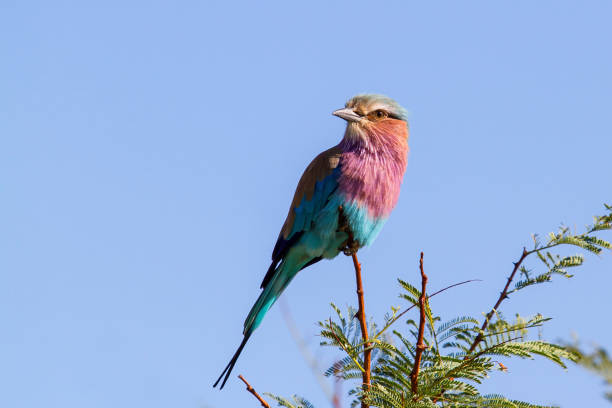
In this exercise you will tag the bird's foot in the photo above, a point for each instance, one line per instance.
(350, 248)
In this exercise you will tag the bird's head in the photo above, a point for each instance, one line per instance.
(370, 115)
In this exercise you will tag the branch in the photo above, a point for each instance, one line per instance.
(396, 318)
(351, 248)
(420, 346)
(252, 391)
(367, 350)
(503, 295)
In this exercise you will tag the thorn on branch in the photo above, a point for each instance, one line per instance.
(252, 391)
(503, 295)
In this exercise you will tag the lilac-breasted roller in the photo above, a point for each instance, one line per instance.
(353, 185)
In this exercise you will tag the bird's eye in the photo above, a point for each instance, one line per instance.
(378, 115)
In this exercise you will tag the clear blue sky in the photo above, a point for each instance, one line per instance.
(149, 152)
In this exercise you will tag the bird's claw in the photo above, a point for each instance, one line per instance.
(350, 248)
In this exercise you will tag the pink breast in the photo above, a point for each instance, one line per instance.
(373, 169)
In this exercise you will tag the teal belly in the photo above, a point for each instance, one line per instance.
(364, 227)
(324, 239)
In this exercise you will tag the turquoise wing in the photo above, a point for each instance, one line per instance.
(316, 186)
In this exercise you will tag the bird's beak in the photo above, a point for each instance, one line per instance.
(347, 114)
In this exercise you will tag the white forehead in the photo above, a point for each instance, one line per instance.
(370, 102)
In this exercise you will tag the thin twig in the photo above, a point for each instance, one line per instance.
(252, 391)
(420, 346)
(503, 295)
(452, 286)
(396, 318)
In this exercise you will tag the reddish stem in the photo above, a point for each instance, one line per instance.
(420, 346)
(503, 295)
(367, 353)
(252, 391)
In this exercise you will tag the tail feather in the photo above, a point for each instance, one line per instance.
(285, 272)
(230, 366)
(279, 281)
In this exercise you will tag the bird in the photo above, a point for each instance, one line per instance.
(341, 202)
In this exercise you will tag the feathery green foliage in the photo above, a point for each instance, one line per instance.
(298, 402)
(463, 351)
(597, 361)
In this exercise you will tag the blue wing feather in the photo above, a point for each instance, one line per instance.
(305, 213)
